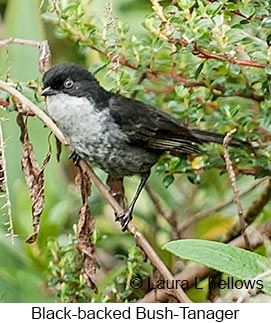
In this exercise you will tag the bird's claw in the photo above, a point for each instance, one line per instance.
(74, 157)
(124, 218)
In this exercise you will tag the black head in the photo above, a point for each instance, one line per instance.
(71, 79)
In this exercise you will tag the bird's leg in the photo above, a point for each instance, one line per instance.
(126, 216)
(74, 157)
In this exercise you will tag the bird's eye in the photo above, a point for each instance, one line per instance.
(68, 83)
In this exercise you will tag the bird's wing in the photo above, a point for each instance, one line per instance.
(146, 126)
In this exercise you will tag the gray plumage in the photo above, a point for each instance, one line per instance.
(96, 138)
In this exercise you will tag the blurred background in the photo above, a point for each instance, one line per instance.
(25, 269)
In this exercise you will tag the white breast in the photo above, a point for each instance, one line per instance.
(91, 132)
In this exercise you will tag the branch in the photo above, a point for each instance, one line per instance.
(253, 211)
(202, 53)
(44, 50)
(173, 75)
(86, 39)
(200, 215)
(234, 184)
(4, 189)
(35, 109)
(20, 41)
(138, 236)
(190, 84)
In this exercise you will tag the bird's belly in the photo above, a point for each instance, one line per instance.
(117, 160)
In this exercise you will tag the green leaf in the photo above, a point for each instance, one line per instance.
(194, 178)
(268, 69)
(247, 11)
(234, 69)
(259, 54)
(214, 8)
(266, 23)
(182, 92)
(174, 162)
(186, 4)
(168, 180)
(199, 69)
(236, 262)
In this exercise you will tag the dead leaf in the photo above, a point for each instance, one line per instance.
(85, 228)
(4, 103)
(44, 55)
(34, 175)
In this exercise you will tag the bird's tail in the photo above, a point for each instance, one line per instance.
(207, 136)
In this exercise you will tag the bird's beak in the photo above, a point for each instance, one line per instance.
(48, 91)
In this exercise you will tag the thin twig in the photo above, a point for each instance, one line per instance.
(20, 41)
(235, 189)
(253, 211)
(202, 214)
(121, 60)
(170, 216)
(111, 26)
(158, 207)
(198, 51)
(4, 186)
(139, 238)
(44, 50)
(202, 53)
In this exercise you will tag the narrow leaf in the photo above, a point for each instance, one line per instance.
(199, 69)
(168, 180)
(85, 228)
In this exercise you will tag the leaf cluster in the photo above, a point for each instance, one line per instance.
(205, 62)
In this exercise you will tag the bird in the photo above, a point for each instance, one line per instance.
(120, 135)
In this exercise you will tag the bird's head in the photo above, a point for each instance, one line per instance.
(69, 78)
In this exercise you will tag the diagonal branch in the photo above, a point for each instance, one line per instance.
(235, 189)
(253, 211)
(138, 236)
(202, 214)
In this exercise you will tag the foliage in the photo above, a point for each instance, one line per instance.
(199, 56)
(205, 62)
(66, 275)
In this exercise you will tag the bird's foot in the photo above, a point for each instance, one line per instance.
(74, 157)
(124, 218)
